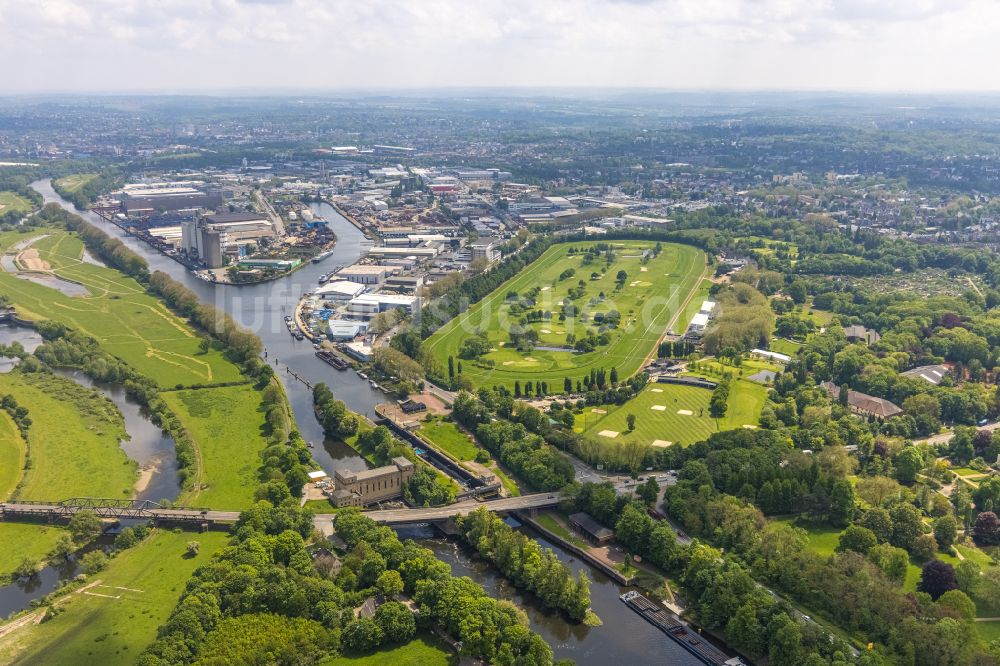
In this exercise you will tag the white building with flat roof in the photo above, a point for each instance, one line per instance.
(707, 308)
(699, 323)
(340, 290)
(364, 274)
(369, 305)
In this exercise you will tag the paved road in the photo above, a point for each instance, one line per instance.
(945, 437)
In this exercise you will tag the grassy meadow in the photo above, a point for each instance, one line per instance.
(73, 441)
(653, 299)
(74, 182)
(13, 450)
(113, 621)
(228, 428)
(129, 323)
(12, 201)
(21, 540)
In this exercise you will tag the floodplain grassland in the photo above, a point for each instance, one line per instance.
(117, 311)
(12, 201)
(112, 620)
(13, 450)
(74, 182)
(73, 441)
(655, 295)
(227, 424)
(25, 540)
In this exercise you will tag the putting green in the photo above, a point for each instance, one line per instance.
(648, 307)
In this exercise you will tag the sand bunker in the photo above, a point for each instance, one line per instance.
(508, 362)
(750, 427)
(656, 390)
(643, 269)
(632, 284)
(661, 443)
(611, 434)
(659, 408)
(31, 261)
(546, 288)
(544, 330)
(595, 410)
(685, 412)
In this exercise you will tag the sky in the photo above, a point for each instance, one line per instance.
(328, 45)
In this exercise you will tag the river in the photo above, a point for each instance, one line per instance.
(624, 637)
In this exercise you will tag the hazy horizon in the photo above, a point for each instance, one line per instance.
(240, 46)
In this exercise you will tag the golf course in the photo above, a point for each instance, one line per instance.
(572, 295)
(672, 415)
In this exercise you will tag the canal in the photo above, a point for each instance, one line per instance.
(623, 638)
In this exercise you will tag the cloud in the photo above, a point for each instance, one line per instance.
(213, 44)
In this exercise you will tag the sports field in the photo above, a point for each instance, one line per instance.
(73, 440)
(112, 619)
(654, 297)
(672, 415)
(227, 426)
(12, 201)
(116, 310)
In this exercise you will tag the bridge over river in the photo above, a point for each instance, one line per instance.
(204, 518)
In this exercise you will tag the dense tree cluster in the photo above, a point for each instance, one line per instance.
(525, 563)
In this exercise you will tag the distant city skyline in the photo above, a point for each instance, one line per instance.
(218, 45)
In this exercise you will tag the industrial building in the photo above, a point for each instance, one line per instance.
(365, 274)
(369, 305)
(342, 331)
(373, 485)
(211, 239)
(486, 248)
(340, 290)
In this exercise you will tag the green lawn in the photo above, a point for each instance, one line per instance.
(74, 182)
(421, 651)
(13, 201)
(446, 436)
(556, 525)
(988, 631)
(783, 346)
(822, 538)
(130, 323)
(12, 452)
(22, 540)
(73, 441)
(320, 506)
(647, 303)
(227, 426)
(141, 588)
(658, 411)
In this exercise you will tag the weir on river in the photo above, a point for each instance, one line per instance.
(624, 638)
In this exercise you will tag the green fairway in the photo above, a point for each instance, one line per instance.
(672, 414)
(421, 651)
(118, 312)
(654, 297)
(21, 540)
(227, 426)
(12, 201)
(73, 442)
(12, 455)
(113, 621)
(446, 436)
(988, 631)
(74, 182)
